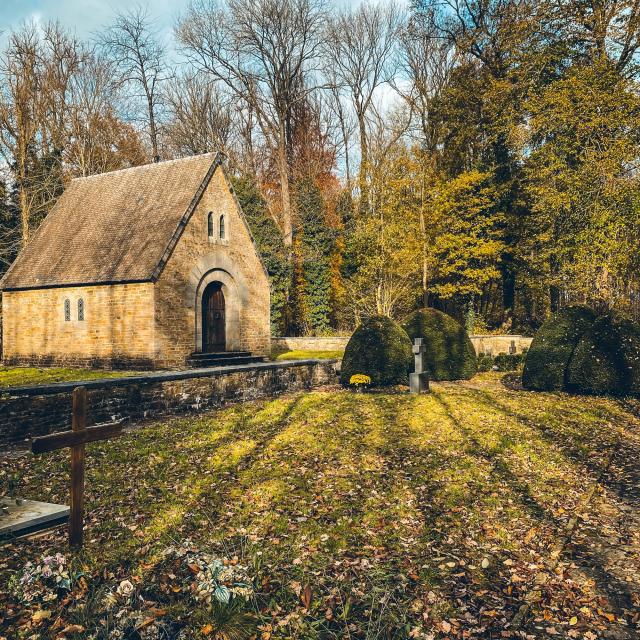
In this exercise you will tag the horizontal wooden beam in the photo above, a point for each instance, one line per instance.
(64, 439)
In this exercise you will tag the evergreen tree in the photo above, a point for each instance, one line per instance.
(271, 247)
(317, 244)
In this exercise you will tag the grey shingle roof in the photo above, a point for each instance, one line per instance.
(112, 228)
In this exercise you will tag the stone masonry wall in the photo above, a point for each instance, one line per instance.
(493, 344)
(31, 411)
(117, 330)
(329, 343)
(198, 260)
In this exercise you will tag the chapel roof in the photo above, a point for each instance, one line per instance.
(113, 227)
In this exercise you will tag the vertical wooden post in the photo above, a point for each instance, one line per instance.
(78, 423)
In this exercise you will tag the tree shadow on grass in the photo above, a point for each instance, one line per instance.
(579, 448)
(132, 484)
(451, 514)
(593, 563)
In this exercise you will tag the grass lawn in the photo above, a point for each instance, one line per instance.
(374, 515)
(305, 355)
(23, 376)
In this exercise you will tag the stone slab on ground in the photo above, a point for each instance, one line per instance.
(29, 516)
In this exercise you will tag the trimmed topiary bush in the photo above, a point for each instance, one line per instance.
(380, 349)
(547, 360)
(607, 358)
(449, 352)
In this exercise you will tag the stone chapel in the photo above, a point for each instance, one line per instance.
(148, 267)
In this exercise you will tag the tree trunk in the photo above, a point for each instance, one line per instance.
(25, 213)
(23, 196)
(364, 164)
(285, 191)
(153, 131)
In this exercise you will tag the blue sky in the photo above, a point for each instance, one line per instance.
(84, 16)
(87, 16)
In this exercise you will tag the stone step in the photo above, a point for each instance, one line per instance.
(219, 355)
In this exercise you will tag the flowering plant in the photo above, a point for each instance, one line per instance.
(122, 595)
(44, 580)
(217, 580)
(359, 380)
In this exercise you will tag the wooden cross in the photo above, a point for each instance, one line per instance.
(76, 439)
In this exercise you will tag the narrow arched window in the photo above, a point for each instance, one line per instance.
(67, 310)
(80, 309)
(210, 225)
(222, 230)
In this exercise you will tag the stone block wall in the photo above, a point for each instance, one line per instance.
(493, 344)
(198, 260)
(38, 410)
(330, 343)
(117, 330)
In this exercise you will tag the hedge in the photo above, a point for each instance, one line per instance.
(546, 363)
(509, 361)
(380, 349)
(607, 358)
(449, 352)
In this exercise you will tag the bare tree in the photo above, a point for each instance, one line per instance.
(20, 110)
(36, 70)
(99, 140)
(602, 30)
(427, 61)
(346, 123)
(359, 49)
(200, 116)
(62, 58)
(132, 43)
(264, 52)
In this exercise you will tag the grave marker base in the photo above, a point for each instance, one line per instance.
(30, 516)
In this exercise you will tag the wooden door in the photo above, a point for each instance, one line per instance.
(213, 319)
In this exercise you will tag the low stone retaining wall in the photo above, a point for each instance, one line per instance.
(333, 343)
(26, 412)
(493, 344)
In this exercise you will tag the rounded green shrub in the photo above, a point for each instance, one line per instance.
(380, 349)
(545, 366)
(449, 352)
(607, 358)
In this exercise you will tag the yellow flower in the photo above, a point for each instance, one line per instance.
(358, 379)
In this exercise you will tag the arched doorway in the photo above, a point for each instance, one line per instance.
(213, 319)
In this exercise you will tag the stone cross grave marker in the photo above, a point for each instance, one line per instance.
(419, 380)
(76, 439)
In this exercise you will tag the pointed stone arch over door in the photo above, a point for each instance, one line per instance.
(231, 293)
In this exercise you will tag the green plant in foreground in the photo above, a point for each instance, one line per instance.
(359, 380)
